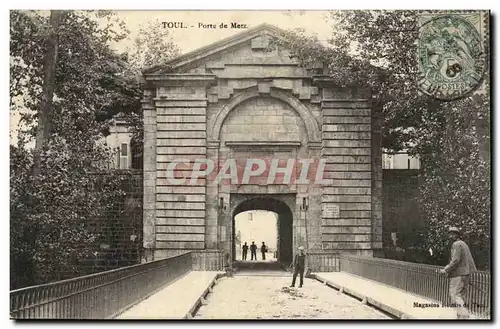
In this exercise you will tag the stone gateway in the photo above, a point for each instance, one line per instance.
(239, 99)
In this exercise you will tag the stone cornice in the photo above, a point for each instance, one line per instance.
(213, 144)
(182, 79)
(315, 145)
(323, 81)
(346, 103)
(347, 93)
(287, 144)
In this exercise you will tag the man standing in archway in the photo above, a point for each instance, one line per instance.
(245, 251)
(299, 264)
(253, 251)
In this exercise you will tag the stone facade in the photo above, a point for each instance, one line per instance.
(237, 98)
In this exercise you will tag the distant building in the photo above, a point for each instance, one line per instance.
(399, 160)
(126, 156)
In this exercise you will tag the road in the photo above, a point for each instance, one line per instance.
(268, 297)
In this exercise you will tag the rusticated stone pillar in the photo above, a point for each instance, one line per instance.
(348, 217)
(149, 158)
(180, 207)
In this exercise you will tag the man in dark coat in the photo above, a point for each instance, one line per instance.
(263, 250)
(458, 270)
(299, 264)
(245, 251)
(253, 251)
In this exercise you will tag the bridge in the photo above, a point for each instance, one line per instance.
(203, 285)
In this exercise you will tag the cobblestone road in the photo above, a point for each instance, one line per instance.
(265, 297)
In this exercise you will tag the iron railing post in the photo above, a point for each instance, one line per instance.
(99, 295)
(420, 279)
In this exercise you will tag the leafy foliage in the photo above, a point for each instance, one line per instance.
(455, 185)
(51, 212)
(153, 45)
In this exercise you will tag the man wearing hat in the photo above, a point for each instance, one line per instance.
(299, 264)
(458, 270)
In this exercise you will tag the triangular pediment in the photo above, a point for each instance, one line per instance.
(242, 45)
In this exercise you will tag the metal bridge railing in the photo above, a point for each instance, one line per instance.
(420, 279)
(322, 261)
(208, 260)
(97, 296)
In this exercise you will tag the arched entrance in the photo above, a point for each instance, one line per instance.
(262, 106)
(284, 243)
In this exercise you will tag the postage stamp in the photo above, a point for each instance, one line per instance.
(451, 55)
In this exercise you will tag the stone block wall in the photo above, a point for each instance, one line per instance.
(239, 99)
(262, 119)
(180, 210)
(187, 217)
(347, 221)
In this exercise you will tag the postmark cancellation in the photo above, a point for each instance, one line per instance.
(451, 53)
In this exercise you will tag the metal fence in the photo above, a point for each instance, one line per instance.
(100, 295)
(420, 279)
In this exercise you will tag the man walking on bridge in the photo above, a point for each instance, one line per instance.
(299, 264)
(458, 270)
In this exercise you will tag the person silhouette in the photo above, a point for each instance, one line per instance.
(245, 251)
(263, 250)
(253, 251)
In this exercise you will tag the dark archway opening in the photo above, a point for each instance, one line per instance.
(283, 225)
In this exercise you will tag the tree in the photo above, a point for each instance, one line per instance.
(51, 211)
(455, 185)
(153, 45)
(377, 49)
(49, 68)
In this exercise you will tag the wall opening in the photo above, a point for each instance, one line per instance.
(258, 227)
(271, 222)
